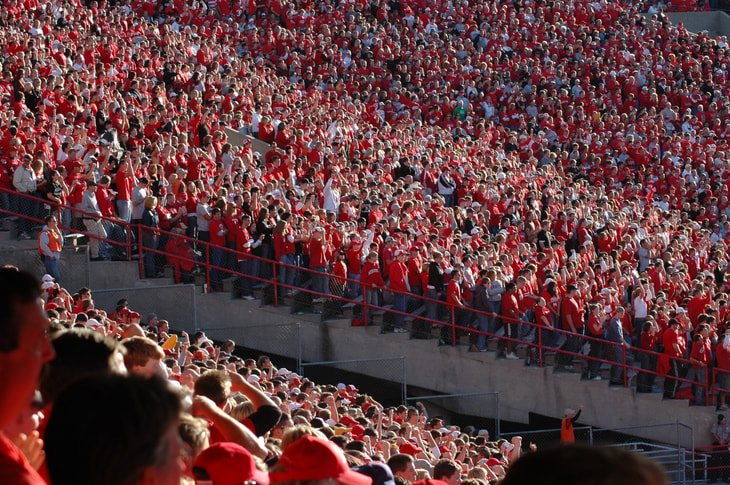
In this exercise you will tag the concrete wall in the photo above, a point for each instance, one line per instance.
(452, 370)
(236, 139)
(175, 303)
(73, 264)
(714, 23)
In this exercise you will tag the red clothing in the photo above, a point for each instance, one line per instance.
(510, 306)
(282, 246)
(14, 467)
(398, 276)
(453, 293)
(317, 256)
(216, 238)
(571, 307)
(701, 352)
(370, 275)
(125, 184)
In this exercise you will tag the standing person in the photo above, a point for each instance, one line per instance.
(50, 244)
(124, 180)
(596, 327)
(24, 348)
(435, 286)
(567, 434)
(649, 340)
(92, 220)
(245, 244)
(617, 347)
(371, 280)
(572, 321)
(511, 315)
(675, 347)
(701, 359)
(218, 233)
(455, 304)
(720, 462)
(285, 252)
(480, 302)
(25, 182)
(494, 298)
(150, 222)
(139, 195)
(399, 284)
(318, 263)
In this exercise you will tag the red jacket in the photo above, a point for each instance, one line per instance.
(398, 276)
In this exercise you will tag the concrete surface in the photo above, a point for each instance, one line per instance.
(714, 23)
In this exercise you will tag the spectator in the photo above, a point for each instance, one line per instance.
(50, 245)
(24, 348)
(144, 432)
(567, 435)
(92, 220)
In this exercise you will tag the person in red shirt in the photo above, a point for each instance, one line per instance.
(218, 233)
(318, 263)
(21, 359)
(572, 322)
(244, 245)
(456, 304)
(399, 284)
(648, 342)
(723, 367)
(371, 280)
(701, 359)
(596, 327)
(125, 182)
(674, 348)
(511, 315)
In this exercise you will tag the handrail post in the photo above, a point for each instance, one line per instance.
(207, 267)
(626, 371)
(139, 249)
(129, 243)
(453, 325)
(274, 265)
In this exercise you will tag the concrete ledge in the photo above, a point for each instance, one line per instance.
(175, 303)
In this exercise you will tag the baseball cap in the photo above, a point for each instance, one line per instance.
(228, 464)
(311, 458)
(379, 472)
(409, 449)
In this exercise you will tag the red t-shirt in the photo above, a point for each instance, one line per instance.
(125, 184)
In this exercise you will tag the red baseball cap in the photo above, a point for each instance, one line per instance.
(229, 464)
(409, 449)
(311, 458)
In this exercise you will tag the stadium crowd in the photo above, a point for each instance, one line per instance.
(562, 164)
(190, 411)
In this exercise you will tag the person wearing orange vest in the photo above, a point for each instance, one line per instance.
(566, 425)
(50, 244)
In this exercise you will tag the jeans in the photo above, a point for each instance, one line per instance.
(432, 307)
(150, 257)
(245, 266)
(372, 298)
(124, 210)
(483, 324)
(287, 274)
(319, 281)
(217, 259)
(51, 265)
(400, 304)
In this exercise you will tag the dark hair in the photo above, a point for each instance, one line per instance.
(79, 353)
(16, 288)
(583, 465)
(109, 429)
